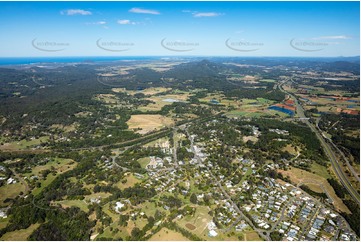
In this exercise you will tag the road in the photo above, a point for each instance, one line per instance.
(350, 167)
(354, 173)
(307, 226)
(21, 180)
(329, 152)
(175, 146)
(320, 184)
(225, 194)
(282, 214)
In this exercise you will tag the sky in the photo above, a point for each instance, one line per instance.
(30, 29)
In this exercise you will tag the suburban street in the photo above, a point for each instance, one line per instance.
(224, 192)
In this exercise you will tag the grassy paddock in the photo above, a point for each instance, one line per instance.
(148, 122)
(21, 234)
(10, 191)
(299, 176)
(168, 235)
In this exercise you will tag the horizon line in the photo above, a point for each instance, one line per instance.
(168, 56)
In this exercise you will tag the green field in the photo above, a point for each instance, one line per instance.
(96, 195)
(122, 233)
(320, 170)
(156, 143)
(3, 222)
(110, 213)
(59, 164)
(264, 100)
(74, 203)
(10, 191)
(63, 166)
(168, 235)
(245, 176)
(197, 223)
(143, 161)
(277, 113)
(252, 236)
(149, 208)
(267, 80)
(131, 181)
(21, 234)
(237, 113)
(44, 183)
(23, 144)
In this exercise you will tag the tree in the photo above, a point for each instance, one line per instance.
(276, 236)
(123, 220)
(158, 215)
(136, 233)
(151, 220)
(193, 198)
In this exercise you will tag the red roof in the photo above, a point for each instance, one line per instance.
(289, 102)
(352, 112)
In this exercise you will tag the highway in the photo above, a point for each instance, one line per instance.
(326, 147)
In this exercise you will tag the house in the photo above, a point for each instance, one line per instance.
(95, 200)
(119, 206)
(329, 229)
(212, 233)
(211, 226)
(11, 181)
(3, 214)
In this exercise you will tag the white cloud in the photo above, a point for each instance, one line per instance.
(125, 21)
(75, 12)
(97, 23)
(101, 22)
(197, 14)
(206, 14)
(333, 37)
(142, 10)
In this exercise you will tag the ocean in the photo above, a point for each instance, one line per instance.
(85, 59)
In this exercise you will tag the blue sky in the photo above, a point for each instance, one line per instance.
(179, 28)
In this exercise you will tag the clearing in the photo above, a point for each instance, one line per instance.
(147, 91)
(10, 191)
(251, 236)
(60, 165)
(163, 100)
(21, 234)
(131, 180)
(168, 235)
(299, 176)
(24, 144)
(197, 224)
(291, 149)
(144, 161)
(73, 203)
(144, 123)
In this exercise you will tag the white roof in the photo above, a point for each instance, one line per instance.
(119, 205)
(213, 233)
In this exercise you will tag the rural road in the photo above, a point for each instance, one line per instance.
(22, 181)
